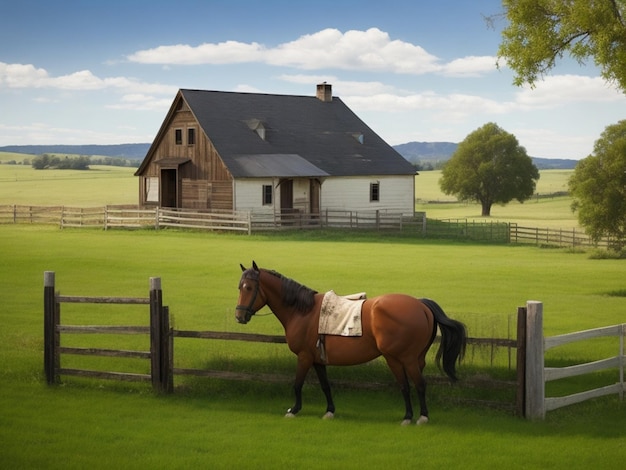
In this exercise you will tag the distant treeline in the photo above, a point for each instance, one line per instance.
(45, 161)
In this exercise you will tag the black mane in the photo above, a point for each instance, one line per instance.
(296, 295)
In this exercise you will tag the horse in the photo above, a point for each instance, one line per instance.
(399, 327)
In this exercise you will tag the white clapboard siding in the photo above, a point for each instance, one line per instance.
(397, 194)
(353, 194)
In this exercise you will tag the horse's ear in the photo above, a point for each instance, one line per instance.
(254, 266)
(243, 268)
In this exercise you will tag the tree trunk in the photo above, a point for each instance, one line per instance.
(486, 209)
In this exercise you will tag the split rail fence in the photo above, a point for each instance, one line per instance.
(158, 329)
(133, 217)
(537, 404)
(530, 400)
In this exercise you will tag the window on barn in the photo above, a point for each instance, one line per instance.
(152, 189)
(375, 192)
(191, 136)
(178, 136)
(267, 194)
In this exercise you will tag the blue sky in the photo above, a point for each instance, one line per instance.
(106, 72)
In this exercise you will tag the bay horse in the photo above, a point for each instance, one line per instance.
(399, 327)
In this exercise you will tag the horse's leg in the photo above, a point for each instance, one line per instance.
(398, 371)
(417, 376)
(321, 375)
(302, 369)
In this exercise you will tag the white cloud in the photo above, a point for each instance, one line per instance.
(142, 102)
(370, 50)
(27, 76)
(228, 52)
(472, 66)
(21, 76)
(557, 90)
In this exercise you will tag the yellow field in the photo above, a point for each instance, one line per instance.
(99, 186)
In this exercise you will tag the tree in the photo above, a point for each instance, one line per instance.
(489, 167)
(598, 186)
(540, 32)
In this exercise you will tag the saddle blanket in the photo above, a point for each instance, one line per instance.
(341, 315)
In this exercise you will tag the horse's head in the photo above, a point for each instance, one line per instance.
(251, 298)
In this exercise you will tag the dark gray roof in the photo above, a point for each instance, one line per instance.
(304, 136)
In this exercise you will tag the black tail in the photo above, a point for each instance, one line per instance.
(453, 339)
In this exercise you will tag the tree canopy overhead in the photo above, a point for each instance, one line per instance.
(541, 32)
(489, 167)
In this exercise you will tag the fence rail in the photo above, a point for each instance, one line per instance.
(158, 354)
(129, 216)
(537, 375)
(557, 237)
(532, 375)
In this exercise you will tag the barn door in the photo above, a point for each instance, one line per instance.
(286, 201)
(169, 187)
(314, 192)
(286, 196)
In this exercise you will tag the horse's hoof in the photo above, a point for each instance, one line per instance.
(405, 422)
(328, 415)
(290, 415)
(422, 420)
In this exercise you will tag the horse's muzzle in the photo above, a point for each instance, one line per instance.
(243, 315)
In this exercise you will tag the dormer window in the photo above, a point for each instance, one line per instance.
(257, 126)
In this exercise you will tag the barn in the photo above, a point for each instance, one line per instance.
(274, 154)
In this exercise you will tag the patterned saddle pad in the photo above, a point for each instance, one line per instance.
(341, 315)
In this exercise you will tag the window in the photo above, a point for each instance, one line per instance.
(178, 136)
(191, 136)
(267, 194)
(152, 189)
(375, 192)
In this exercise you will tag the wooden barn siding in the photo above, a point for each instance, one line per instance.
(397, 194)
(205, 182)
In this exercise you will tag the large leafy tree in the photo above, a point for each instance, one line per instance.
(598, 187)
(489, 167)
(540, 32)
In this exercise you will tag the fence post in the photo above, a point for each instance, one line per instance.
(166, 381)
(521, 362)
(535, 406)
(156, 307)
(50, 323)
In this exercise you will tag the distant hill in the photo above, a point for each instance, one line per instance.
(438, 152)
(130, 151)
(415, 152)
(426, 151)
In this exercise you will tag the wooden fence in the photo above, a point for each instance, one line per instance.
(532, 375)
(160, 343)
(537, 374)
(132, 216)
(554, 237)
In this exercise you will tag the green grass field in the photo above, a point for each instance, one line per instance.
(545, 211)
(222, 424)
(99, 186)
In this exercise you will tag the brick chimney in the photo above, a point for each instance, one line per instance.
(324, 92)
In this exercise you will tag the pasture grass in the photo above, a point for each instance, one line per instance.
(223, 424)
(98, 186)
(549, 208)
